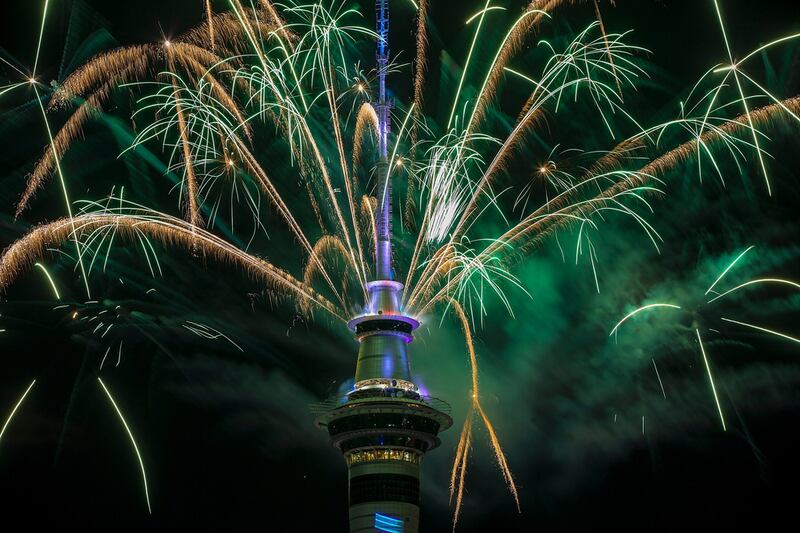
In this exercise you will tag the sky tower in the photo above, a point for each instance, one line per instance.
(384, 426)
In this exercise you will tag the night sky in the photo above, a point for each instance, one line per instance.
(593, 439)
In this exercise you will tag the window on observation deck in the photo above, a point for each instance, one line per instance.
(383, 441)
(383, 454)
(384, 420)
(384, 488)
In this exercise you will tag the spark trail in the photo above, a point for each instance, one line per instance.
(132, 439)
(14, 409)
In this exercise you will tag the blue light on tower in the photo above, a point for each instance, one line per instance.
(388, 523)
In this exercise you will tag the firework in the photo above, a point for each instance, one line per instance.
(700, 311)
(459, 470)
(283, 81)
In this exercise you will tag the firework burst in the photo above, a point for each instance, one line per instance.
(702, 316)
(285, 84)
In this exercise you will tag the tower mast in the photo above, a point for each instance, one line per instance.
(383, 242)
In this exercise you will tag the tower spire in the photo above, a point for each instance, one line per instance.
(383, 219)
(382, 56)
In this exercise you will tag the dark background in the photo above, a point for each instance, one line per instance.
(227, 437)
